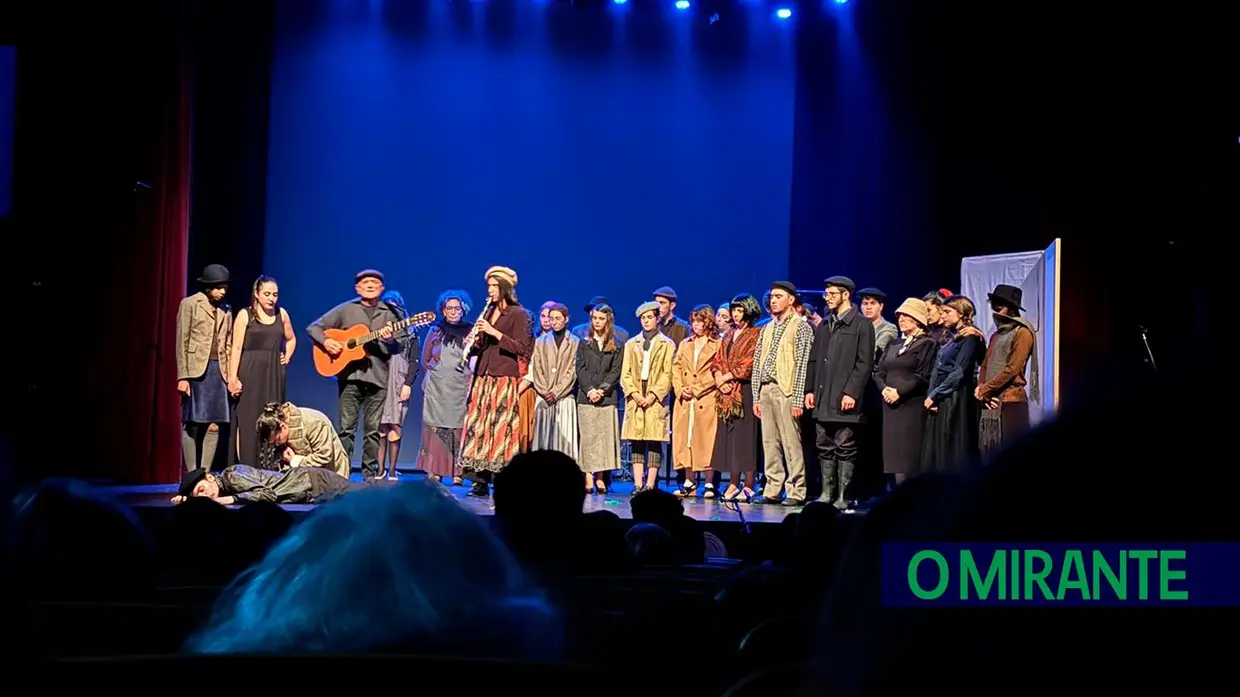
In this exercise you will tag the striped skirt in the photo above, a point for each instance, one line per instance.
(492, 433)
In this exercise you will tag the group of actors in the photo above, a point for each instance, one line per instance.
(740, 383)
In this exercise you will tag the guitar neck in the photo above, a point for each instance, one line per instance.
(419, 319)
(395, 328)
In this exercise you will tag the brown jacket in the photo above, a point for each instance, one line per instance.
(1009, 384)
(196, 333)
(696, 417)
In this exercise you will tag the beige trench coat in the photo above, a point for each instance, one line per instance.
(648, 424)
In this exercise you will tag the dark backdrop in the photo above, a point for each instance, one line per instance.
(8, 96)
(1001, 127)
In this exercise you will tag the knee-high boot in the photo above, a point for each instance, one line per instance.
(847, 469)
(828, 468)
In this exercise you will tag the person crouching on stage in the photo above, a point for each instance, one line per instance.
(493, 418)
(305, 436)
(646, 378)
(245, 484)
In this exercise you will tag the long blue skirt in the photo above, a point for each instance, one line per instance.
(207, 402)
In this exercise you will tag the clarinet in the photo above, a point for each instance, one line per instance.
(473, 335)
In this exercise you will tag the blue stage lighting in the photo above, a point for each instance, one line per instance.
(783, 13)
(619, 2)
(682, 4)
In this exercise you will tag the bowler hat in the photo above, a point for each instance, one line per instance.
(214, 275)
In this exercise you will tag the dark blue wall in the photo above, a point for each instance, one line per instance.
(593, 152)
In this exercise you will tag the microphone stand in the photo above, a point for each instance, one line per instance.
(1149, 355)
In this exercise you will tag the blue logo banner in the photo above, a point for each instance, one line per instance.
(1068, 574)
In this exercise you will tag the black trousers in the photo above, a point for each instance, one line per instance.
(837, 457)
(837, 442)
(365, 400)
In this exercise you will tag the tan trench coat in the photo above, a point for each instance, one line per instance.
(649, 424)
(696, 418)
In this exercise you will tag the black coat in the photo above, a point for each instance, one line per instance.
(598, 370)
(908, 372)
(841, 363)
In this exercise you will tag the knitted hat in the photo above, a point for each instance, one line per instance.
(502, 272)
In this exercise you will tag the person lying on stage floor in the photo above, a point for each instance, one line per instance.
(308, 437)
(241, 484)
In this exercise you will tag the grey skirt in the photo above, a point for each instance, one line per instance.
(599, 427)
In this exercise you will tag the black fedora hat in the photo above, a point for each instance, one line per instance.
(214, 275)
(1007, 295)
(595, 302)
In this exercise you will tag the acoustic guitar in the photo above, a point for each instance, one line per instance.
(354, 340)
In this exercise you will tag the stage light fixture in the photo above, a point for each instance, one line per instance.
(682, 4)
(783, 13)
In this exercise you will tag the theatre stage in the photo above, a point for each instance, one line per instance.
(616, 500)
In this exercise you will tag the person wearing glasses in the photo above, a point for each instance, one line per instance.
(841, 365)
(445, 388)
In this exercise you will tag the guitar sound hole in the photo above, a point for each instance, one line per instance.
(352, 344)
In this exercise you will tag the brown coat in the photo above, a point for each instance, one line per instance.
(648, 424)
(696, 417)
(195, 333)
(1009, 384)
(313, 440)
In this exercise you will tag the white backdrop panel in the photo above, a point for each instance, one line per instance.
(1035, 274)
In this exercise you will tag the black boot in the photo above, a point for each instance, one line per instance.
(847, 468)
(482, 487)
(828, 469)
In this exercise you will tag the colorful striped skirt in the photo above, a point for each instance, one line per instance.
(492, 434)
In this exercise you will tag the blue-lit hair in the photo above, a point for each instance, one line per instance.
(404, 566)
(396, 301)
(458, 295)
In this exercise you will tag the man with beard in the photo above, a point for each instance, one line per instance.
(841, 365)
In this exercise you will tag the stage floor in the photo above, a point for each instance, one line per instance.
(616, 500)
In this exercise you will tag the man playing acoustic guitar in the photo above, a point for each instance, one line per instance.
(362, 385)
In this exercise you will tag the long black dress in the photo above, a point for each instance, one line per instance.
(906, 368)
(950, 441)
(262, 381)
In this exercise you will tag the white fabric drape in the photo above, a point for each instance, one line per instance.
(1035, 273)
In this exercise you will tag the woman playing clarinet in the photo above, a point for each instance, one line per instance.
(501, 339)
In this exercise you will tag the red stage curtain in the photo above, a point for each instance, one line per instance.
(148, 271)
